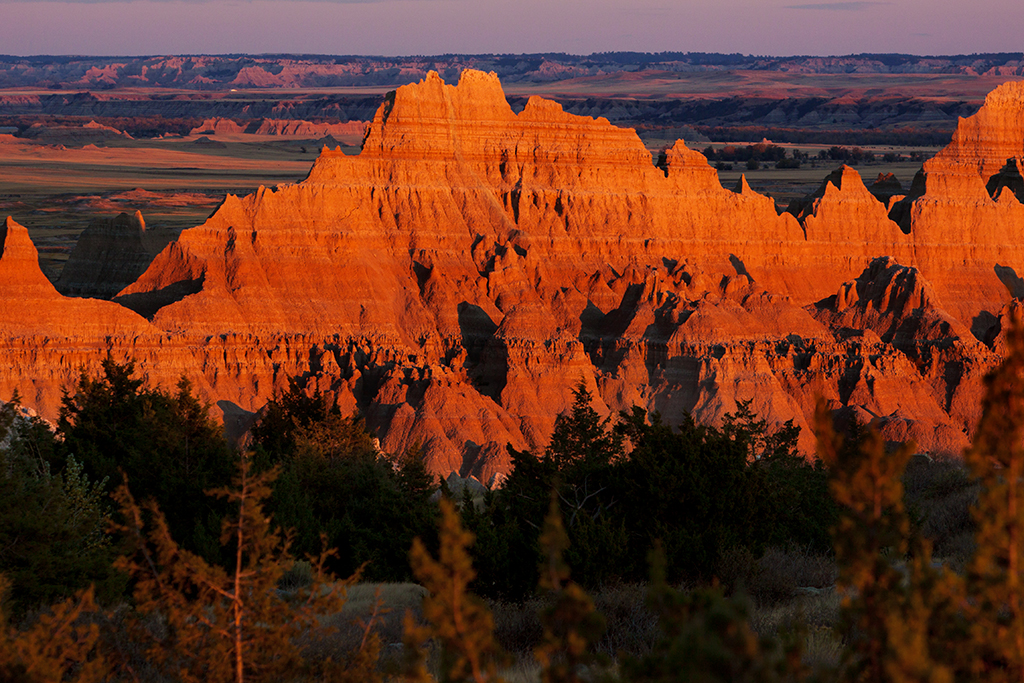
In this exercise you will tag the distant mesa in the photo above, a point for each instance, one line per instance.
(284, 127)
(886, 186)
(328, 141)
(203, 141)
(93, 126)
(472, 265)
(218, 126)
(91, 133)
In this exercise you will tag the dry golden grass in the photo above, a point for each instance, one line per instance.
(779, 576)
(362, 604)
(396, 596)
(632, 627)
(813, 610)
(523, 670)
(814, 617)
(369, 609)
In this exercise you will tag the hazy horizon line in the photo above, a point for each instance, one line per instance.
(157, 55)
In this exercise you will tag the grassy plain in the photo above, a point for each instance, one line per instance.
(176, 183)
(787, 184)
(768, 84)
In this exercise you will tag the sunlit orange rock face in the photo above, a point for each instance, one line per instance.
(964, 210)
(458, 278)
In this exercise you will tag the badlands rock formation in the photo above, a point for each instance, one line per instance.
(457, 279)
(110, 255)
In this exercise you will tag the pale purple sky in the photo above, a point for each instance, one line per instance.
(403, 27)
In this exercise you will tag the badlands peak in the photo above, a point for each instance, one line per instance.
(472, 132)
(986, 141)
(30, 306)
(19, 264)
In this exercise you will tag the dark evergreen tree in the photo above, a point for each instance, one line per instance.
(335, 482)
(53, 525)
(700, 491)
(165, 442)
(298, 421)
(695, 492)
(581, 441)
(796, 490)
(580, 464)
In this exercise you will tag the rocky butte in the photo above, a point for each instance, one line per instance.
(460, 276)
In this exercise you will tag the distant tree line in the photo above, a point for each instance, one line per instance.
(762, 151)
(753, 156)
